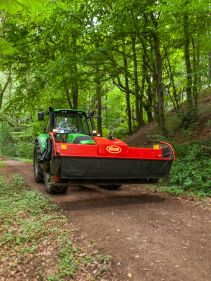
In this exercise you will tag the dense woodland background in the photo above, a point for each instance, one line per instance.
(133, 62)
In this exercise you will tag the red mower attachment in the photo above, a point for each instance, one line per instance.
(112, 161)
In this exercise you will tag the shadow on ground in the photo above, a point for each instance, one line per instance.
(107, 199)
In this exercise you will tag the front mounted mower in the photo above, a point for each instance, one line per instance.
(70, 152)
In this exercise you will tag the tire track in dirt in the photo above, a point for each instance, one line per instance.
(150, 236)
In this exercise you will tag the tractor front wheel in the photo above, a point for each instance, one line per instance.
(54, 188)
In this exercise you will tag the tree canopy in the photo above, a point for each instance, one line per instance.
(130, 61)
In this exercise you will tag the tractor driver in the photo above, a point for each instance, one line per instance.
(64, 126)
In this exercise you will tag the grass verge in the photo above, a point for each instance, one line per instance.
(35, 240)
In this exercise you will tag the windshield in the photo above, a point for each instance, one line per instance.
(67, 123)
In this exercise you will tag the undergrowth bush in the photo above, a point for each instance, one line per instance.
(16, 143)
(192, 169)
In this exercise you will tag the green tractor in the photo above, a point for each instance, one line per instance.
(70, 152)
(64, 126)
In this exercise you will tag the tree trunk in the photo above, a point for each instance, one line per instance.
(99, 101)
(3, 20)
(159, 78)
(139, 109)
(147, 68)
(209, 68)
(127, 90)
(68, 95)
(160, 93)
(209, 57)
(171, 77)
(195, 75)
(2, 91)
(142, 104)
(149, 103)
(75, 94)
(75, 84)
(187, 61)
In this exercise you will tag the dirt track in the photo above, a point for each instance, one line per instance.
(150, 236)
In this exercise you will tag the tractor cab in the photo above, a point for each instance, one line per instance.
(68, 121)
(69, 126)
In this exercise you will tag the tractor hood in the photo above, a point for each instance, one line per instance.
(80, 139)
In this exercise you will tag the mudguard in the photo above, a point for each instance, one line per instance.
(41, 140)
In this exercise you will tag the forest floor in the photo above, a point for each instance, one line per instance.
(150, 236)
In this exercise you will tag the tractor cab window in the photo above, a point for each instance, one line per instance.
(71, 123)
(64, 126)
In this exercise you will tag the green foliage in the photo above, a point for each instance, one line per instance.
(191, 170)
(68, 259)
(62, 53)
(14, 200)
(29, 224)
(17, 139)
(113, 117)
(15, 185)
(14, 6)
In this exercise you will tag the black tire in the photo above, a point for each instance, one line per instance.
(38, 172)
(53, 188)
(110, 186)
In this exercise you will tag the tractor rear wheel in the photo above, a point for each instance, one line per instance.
(38, 172)
(54, 188)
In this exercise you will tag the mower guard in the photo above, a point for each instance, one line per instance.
(116, 170)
